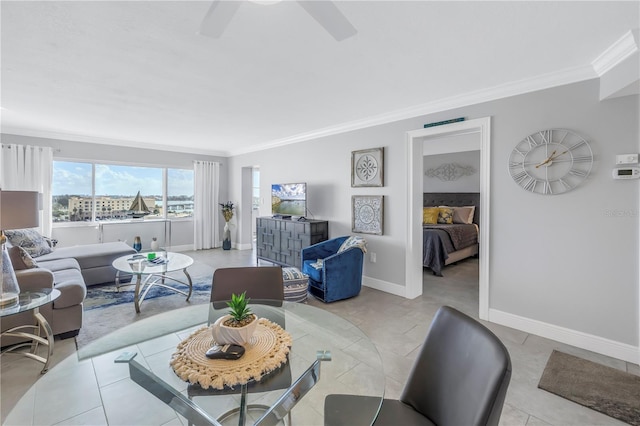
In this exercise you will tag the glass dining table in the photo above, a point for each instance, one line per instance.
(327, 355)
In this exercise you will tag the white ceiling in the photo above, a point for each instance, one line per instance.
(137, 73)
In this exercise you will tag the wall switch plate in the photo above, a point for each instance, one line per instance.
(372, 257)
(627, 159)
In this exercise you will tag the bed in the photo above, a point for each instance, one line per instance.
(444, 244)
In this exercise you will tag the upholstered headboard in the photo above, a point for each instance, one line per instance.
(453, 199)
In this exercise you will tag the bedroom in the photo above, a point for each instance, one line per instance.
(451, 168)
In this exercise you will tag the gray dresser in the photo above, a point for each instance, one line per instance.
(280, 241)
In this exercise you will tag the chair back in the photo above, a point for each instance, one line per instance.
(260, 283)
(264, 287)
(461, 374)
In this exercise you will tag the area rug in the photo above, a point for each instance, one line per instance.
(106, 295)
(601, 388)
(106, 310)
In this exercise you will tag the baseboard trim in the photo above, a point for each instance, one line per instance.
(246, 246)
(568, 336)
(385, 286)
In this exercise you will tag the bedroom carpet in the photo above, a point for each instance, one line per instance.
(601, 388)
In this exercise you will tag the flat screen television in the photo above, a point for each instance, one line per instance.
(289, 199)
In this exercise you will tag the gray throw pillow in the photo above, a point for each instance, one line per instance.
(30, 240)
(21, 259)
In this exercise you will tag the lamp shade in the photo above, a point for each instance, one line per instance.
(19, 209)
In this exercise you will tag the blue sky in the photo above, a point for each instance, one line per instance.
(75, 178)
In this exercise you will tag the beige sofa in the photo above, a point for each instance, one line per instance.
(70, 270)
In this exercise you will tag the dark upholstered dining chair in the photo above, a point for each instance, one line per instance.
(460, 377)
(263, 285)
(260, 283)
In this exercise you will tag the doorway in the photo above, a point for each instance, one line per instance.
(255, 200)
(415, 141)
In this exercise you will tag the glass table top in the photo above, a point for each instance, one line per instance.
(140, 265)
(355, 367)
(29, 300)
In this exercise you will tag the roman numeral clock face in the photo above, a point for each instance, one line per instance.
(551, 161)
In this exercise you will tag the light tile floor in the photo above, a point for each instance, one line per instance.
(83, 393)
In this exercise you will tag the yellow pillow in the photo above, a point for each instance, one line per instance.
(430, 215)
(445, 215)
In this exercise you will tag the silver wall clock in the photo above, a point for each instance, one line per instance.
(550, 162)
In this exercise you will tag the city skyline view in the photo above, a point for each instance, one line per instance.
(115, 188)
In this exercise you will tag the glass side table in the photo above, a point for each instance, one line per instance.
(31, 301)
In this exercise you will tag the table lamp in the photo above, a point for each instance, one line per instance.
(18, 209)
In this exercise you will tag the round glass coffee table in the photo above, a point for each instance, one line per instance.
(32, 301)
(154, 272)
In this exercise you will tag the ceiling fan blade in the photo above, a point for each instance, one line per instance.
(218, 17)
(330, 17)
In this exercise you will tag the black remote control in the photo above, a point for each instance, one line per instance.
(225, 352)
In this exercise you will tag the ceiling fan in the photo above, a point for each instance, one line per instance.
(324, 12)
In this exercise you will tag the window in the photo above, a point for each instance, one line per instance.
(124, 192)
(179, 193)
(121, 192)
(71, 186)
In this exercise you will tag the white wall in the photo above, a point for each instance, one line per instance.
(569, 260)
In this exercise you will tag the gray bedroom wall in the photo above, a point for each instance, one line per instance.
(568, 260)
(456, 172)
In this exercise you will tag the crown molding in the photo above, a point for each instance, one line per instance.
(616, 53)
(519, 87)
(50, 134)
(540, 82)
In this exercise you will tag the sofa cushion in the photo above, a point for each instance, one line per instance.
(91, 255)
(60, 265)
(71, 286)
(29, 239)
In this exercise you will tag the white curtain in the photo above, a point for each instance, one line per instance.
(207, 221)
(29, 168)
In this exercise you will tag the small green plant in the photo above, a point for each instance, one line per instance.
(240, 313)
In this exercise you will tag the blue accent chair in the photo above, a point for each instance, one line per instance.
(341, 274)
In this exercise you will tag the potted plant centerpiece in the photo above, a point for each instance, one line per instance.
(238, 325)
(227, 213)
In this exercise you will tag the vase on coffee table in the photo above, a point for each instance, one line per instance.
(155, 245)
(137, 244)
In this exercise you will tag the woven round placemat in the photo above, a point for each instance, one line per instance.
(266, 351)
